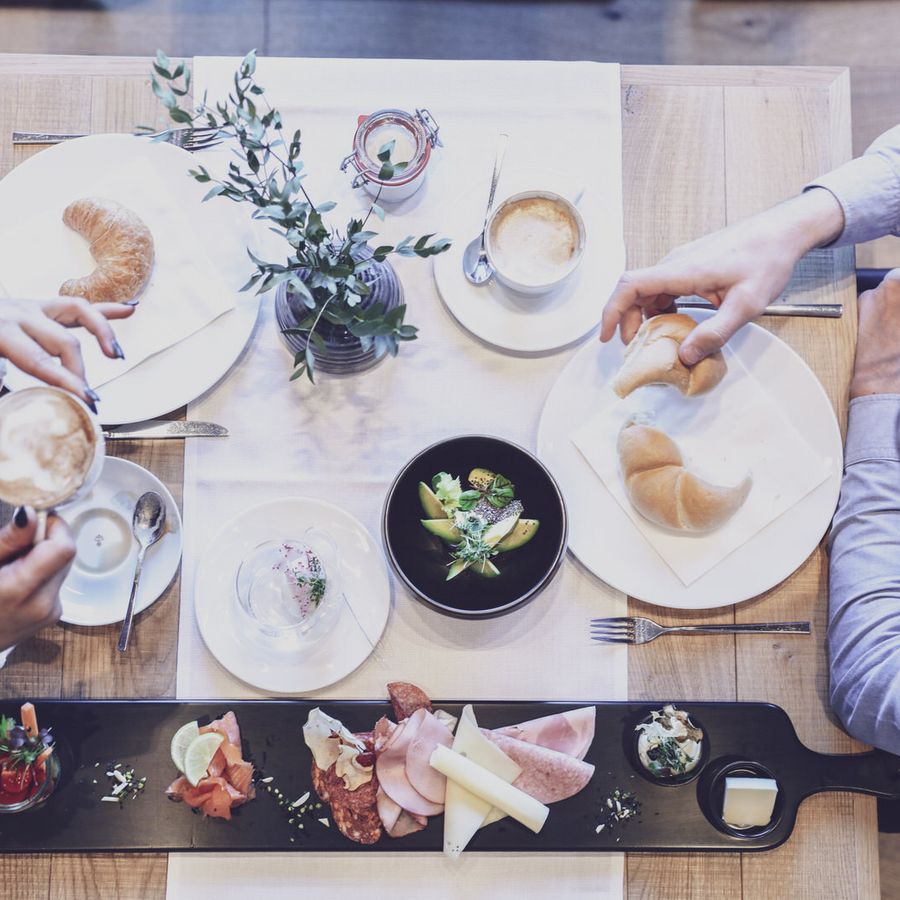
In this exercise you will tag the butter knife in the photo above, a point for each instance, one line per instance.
(156, 429)
(807, 310)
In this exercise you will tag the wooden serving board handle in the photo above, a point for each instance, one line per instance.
(876, 772)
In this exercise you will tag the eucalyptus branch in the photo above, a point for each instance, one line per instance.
(325, 268)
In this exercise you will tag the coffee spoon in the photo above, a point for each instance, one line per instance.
(146, 525)
(476, 265)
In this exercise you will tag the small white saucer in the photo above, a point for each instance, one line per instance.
(551, 321)
(235, 640)
(97, 589)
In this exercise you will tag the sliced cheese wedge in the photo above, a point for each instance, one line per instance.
(465, 812)
(489, 787)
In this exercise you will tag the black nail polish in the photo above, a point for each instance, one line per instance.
(91, 394)
(21, 517)
(92, 406)
(118, 350)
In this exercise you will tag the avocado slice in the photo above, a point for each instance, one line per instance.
(524, 531)
(486, 568)
(430, 503)
(442, 528)
(480, 479)
(459, 565)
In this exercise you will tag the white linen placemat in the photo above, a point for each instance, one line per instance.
(185, 291)
(345, 440)
(724, 435)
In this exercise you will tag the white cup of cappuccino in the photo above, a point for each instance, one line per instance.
(51, 450)
(535, 241)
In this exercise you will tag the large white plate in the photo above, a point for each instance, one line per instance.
(97, 588)
(531, 324)
(180, 373)
(603, 537)
(336, 654)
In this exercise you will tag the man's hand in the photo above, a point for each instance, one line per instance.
(740, 270)
(877, 367)
(31, 576)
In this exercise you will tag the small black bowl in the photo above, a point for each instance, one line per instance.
(420, 559)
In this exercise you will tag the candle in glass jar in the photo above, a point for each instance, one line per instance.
(404, 142)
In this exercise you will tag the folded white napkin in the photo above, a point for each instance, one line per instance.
(736, 429)
(185, 291)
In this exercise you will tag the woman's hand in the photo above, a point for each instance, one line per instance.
(33, 334)
(740, 270)
(31, 576)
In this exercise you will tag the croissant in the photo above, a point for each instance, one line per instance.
(652, 358)
(662, 490)
(121, 244)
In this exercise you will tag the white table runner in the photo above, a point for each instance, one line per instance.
(345, 440)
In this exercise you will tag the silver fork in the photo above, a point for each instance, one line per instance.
(638, 630)
(187, 138)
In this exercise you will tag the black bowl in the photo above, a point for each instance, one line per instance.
(420, 559)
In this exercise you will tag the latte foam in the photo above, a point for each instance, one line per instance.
(47, 446)
(534, 240)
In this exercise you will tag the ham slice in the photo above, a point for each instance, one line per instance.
(382, 732)
(547, 775)
(390, 767)
(430, 783)
(571, 732)
(396, 820)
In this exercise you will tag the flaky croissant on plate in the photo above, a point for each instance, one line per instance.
(121, 244)
(662, 490)
(652, 358)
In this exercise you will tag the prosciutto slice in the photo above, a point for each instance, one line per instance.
(547, 775)
(571, 732)
(390, 767)
(430, 783)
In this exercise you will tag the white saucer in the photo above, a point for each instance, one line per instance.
(532, 324)
(608, 543)
(97, 588)
(232, 637)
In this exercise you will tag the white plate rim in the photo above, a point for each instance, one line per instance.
(280, 687)
(141, 602)
(635, 588)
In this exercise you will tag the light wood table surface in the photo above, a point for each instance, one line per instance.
(703, 146)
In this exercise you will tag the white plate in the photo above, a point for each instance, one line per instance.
(603, 537)
(98, 586)
(180, 373)
(531, 324)
(232, 639)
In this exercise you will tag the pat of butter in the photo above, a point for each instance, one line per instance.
(749, 802)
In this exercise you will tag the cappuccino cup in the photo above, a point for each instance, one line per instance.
(534, 241)
(51, 450)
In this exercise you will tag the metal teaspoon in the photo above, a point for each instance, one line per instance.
(476, 266)
(146, 525)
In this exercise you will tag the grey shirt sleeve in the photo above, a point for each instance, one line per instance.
(868, 189)
(864, 598)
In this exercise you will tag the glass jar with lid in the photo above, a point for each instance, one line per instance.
(414, 137)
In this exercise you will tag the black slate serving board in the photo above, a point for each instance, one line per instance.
(671, 818)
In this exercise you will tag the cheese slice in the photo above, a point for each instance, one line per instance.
(749, 802)
(465, 812)
(488, 786)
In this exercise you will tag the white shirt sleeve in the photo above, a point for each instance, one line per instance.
(868, 189)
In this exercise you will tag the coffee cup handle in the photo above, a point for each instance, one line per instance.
(40, 533)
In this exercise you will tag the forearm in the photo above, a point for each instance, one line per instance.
(868, 191)
(864, 596)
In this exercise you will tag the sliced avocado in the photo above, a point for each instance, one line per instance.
(524, 531)
(480, 479)
(486, 568)
(430, 503)
(500, 530)
(459, 565)
(442, 528)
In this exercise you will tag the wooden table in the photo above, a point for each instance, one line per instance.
(703, 146)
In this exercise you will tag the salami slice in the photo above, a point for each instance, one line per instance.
(406, 698)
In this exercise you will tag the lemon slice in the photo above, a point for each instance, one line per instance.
(199, 755)
(181, 740)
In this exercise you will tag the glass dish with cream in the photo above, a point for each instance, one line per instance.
(535, 241)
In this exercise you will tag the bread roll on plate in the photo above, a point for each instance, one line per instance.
(662, 490)
(652, 358)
